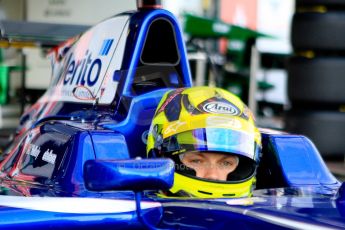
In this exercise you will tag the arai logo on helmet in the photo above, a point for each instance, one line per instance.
(221, 107)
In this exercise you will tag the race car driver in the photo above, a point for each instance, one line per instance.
(211, 136)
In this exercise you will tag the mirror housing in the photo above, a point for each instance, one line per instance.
(136, 175)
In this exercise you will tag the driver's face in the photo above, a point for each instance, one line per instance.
(209, 165)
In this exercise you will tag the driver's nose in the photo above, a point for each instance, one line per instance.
(213, 173)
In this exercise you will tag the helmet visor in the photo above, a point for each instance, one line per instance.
(211, 139)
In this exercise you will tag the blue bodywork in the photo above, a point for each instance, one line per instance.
(60, 172)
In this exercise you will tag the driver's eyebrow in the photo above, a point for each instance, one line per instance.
(197, 154)
(227, 157)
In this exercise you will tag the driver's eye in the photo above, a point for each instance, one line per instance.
(195, 161)
(226, 163)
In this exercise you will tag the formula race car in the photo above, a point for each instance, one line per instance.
(77, 160)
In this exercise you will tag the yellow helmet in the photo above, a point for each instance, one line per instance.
(206, 119)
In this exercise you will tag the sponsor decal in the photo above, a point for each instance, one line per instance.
(173, 127)
(245, 201)
(240, 201)
(83, 93)
(144, 136)
(86, 71)
(224, 122)
(221, 28)
(49, 156)
(34, 150)
(106, 47)
(83, 71)
(220, 108)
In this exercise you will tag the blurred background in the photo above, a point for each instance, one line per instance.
(285, 59)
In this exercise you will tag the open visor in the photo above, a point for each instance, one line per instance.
(211, 139)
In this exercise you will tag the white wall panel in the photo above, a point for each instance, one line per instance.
(76, 11)
(86, 12)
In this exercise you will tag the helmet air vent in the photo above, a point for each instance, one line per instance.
(203, 192)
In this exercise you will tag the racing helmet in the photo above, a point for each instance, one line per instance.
(207, 120)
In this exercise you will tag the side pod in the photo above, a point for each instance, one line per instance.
(292, 161)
